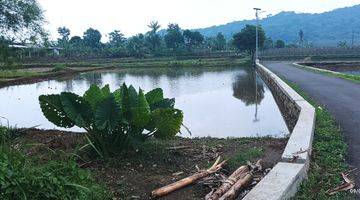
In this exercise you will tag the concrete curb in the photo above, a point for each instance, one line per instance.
(283, 180)
(316, 69)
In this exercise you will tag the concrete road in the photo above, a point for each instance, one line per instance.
(340, 97)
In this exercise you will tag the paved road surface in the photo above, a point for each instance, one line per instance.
(340, 97)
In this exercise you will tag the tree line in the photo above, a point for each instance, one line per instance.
(173, 40)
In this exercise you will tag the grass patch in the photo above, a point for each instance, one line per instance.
(60, 67)
(17, 73)
(241, 157)
(328, 156)
(25, 177)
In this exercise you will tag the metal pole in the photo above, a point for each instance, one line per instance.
(257, 34)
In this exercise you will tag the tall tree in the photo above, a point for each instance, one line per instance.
(136, 46)
(269, 43)
(21, 18)
(154, 26)
(64, 35)
(220, 42)
(153, 39)
(92, 38)
(301, 38)
(193, 38)
(174, 37)
(116, 38)
(279, 44)
(245, 40)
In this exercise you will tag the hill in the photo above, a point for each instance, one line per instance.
(320, 29)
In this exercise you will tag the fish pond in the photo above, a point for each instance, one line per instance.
(218, 101)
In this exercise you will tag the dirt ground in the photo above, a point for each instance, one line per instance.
(160, 163)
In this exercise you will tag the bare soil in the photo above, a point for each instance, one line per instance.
(159, 163)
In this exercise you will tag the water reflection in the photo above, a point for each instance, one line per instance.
(249, 88)
(209, 98)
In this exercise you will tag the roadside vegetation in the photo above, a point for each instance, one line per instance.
(353, 78)
(328, 156)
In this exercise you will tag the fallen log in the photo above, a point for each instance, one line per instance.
(229, 182)
(233, 192)
(188, 180)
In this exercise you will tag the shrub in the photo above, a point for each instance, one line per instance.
(115, 122)
(22, 177)
(60, 67)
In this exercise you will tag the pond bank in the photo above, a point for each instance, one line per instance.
(153, 166)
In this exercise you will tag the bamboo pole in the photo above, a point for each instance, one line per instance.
(163, 191)
(233, 192)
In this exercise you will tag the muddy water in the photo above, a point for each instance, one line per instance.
(217, 102)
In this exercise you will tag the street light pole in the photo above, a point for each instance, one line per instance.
(257, 33)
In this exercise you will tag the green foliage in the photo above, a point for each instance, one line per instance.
(60, 67)
(153, 39)
(21, 17)
(136, 46)
(241, 157)
(116, 38)
(117, 121)
(64, 36)
(92, 38)
(22, 177)
(174, 38)
(193, 38)
(279, 44)
(245, 40)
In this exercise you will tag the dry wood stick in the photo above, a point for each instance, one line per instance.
(233, 192)
(230, 181)
(188, 180)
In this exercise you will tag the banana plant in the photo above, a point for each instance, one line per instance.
(114, 121)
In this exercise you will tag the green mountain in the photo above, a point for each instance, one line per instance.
(319, 29)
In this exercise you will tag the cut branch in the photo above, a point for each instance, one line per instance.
(188, 180)
(241, 172)
(233, 192)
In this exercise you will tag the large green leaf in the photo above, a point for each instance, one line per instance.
(77, 109)
(94, 95)
(167, 122)
(140, 111)
(154, 96)
(53, 110)
(108, 114)
(106, 90)
(118, 96)
(165, 103)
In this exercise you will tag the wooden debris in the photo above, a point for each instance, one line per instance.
(188, 180)
(234, 191)
(177, 147)
(229, 182)
(347, 185)
(177, 173)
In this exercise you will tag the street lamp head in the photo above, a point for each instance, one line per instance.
(257, 8)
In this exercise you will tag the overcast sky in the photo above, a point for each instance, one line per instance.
(132, 16)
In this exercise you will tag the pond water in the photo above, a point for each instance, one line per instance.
(217, 102)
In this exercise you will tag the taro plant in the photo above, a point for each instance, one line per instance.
(115, 121)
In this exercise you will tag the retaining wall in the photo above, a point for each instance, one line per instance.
(283, 180)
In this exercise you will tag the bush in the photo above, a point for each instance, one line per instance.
(115, 122)
(60, 67)
(22, 177)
